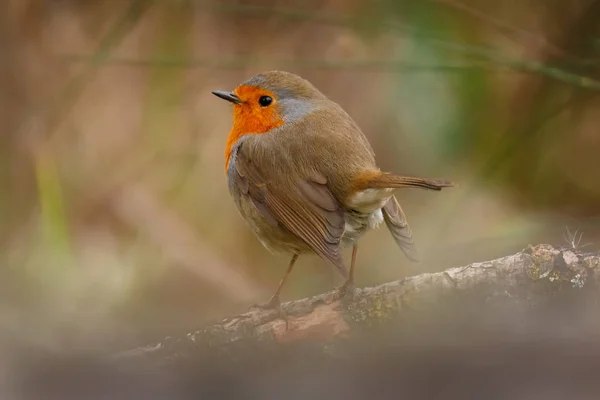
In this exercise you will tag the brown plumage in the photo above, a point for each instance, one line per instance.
(304, 176)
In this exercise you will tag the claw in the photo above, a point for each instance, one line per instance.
(273, 304)
(347, 291)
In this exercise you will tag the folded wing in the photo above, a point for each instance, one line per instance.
(308, 210)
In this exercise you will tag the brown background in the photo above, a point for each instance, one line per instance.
(116, 226)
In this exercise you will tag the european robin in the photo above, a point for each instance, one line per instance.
(304, 177)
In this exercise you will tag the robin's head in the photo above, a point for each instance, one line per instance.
(267, 101)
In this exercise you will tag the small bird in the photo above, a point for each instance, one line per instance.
(304, 177)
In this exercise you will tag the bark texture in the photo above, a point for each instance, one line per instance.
(532, 278)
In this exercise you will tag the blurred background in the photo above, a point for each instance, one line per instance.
(116, 225)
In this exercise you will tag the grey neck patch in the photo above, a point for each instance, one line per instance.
(292, 109)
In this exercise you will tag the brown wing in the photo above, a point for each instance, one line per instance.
(309, 210)
(398, 225)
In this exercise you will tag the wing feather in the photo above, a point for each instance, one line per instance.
(309, 210)
(398, 225)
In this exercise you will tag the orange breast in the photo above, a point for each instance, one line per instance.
(250, 118)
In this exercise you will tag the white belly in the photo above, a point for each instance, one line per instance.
(356, 226)
(366, 214)
(373, 220)
(369, 200)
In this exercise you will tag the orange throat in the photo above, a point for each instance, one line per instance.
(250, 119)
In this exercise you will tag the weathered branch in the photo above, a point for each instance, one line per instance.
(531, 277)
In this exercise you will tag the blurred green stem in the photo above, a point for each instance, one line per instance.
(54, 227)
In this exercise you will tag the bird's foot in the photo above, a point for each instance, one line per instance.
(273, 304)
(346, 291)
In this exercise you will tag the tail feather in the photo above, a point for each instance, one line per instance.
(398, 225)
(387, 180)
(393, 215)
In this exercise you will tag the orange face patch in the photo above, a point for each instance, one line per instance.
(249, 117)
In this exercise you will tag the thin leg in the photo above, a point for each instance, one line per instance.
(274, 302)
(352, 262)
(347, 289)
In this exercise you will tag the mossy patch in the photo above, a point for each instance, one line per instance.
(371, 311)
(552, 273)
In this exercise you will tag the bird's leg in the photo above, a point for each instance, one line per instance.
(275, 302)
(348, 288)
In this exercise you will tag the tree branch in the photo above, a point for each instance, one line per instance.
(530, 277)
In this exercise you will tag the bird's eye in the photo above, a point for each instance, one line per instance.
(265, 101)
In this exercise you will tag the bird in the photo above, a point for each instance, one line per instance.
(304, 176)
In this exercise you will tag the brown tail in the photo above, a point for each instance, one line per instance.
(387, 180)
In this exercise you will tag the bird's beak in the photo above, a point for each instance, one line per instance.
(229, 96)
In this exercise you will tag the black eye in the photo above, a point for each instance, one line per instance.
(265, 101)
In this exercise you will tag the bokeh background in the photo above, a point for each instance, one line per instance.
(116, 226)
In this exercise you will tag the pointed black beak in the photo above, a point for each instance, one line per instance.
(227, 96)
